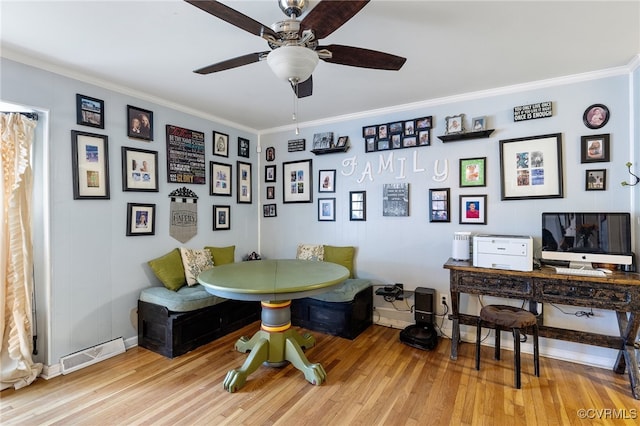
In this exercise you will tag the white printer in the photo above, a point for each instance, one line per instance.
(513, 252)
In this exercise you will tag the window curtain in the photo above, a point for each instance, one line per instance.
(16, 252)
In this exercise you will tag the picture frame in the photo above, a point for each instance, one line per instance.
(369, 131)
(271, 192)
(221, 218)
(141, 219)
(326, 209)
(594, 149)
(397, 127)
(424, 137)
(90, 166)
(473, 172)
(595, 180)
(478, 124)
(395, 199)
(323, 141)
(220, 144)
(342, 141)
(473, 209)
(244, 147)
(89, 111)
(270, 154)
(383, 131)
(139, 123)
(220, 179)
(358, 205)
(423, 123)
(439, 205)
(295, 145)
(139, 170)
(409, 127)
(370, 144)
(186, 162)
(244, 193)
(531, 167)
(297, 181)
(326, 181)
(595, 116)
(454, 124)
(269, 210)
(270, 173)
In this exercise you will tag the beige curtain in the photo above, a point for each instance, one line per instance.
(16, 254)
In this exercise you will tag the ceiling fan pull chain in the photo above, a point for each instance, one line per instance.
(294, 82)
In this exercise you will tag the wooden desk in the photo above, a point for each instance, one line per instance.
(620, 292)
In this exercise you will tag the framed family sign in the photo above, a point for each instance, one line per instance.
(90, 163)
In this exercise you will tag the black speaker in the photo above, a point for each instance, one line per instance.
(424, 305)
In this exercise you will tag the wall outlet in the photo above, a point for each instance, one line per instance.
(400, 296)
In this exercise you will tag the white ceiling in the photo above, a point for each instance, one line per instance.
(149, 49)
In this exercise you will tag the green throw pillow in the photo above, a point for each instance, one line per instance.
(342, 256)
(169, 270)
(222, 255)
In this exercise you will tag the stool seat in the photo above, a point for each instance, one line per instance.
(507, 316)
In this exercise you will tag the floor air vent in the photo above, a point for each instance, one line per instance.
(92, 355)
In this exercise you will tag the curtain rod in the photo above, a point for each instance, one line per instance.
(31, 115)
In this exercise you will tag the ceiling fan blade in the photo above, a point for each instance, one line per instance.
(328, 16)
(363, 58)
(233, 17)
(232, 63)
(305, 88)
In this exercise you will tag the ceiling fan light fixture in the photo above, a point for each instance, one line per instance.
(292, 63)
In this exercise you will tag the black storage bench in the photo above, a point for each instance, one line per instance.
(174, 323)
(345, 311)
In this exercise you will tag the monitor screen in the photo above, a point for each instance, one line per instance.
(587, 237)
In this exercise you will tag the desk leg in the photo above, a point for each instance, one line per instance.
(455, 326)
(629, 326)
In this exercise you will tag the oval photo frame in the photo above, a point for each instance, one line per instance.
(596, 116)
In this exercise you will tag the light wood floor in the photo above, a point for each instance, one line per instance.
(372, 380)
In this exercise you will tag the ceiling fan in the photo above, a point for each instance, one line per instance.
(295, 48)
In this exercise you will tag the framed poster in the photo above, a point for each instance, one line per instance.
(220, 144)
(472, 172)
(395, 199)
(140, 123)
(90, 165)
(439, 205)
(185, 156)
(244, 182)
(221, 218)
(139, 170)
(594, 149)
(243, 147)
(327, 181)
(473, 209)
(220, 178)
(358, 205)
(141, 219)
(327, 209)
(89, 111)
(531, 167)
(297, 181)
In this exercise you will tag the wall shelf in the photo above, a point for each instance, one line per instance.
(467, 135)
(330, 150)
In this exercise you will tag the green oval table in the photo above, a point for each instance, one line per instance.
(274, 283)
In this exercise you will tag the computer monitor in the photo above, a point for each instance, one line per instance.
(581, 238)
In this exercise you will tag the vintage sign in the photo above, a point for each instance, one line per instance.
(183, 214)
(296, 145)
(533, 111)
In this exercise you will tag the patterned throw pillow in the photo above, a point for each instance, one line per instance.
(310, 252)
(195, 261)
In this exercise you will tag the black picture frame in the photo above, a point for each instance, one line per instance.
(531, 167)
(139, 123)
(185, 156)
(244, 183)
(270, 154)
(270, 173)
(90, 166)
(220, 179)
(395, 199)
(220, 144)
(269, 210)
(297, 181)
(221, 218)
(271, 192)
(244, 147)
(326, 181)
(358, 206)
(595, 180)
(139, 170)
(596, 116)
(439, 205)
(473, 209)
(595, 149)
(89, 111)
(141, 219)
(326, 209)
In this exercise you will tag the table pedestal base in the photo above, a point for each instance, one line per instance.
(274, 348)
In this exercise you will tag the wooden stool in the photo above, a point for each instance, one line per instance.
(516, 319)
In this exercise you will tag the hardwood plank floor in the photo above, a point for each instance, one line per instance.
(372, 380)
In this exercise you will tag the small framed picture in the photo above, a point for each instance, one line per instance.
(596, 116)
(327, 209)
(327, 181)
(89, 111)
(244, 182)
(140, 123)
(271, 192)
(90, 164)
(297, 181)
(370, 144)
(141, 219)
(595, 180)
(454, 124)
(409, 128)
(221, 218)
(424, 137)
(220, 144)
(594, 149)
(478, 124)
(220, 179)
(342, 141)
(270, 154)
(423, 123)
(270, 173)
(473, 209)
(269, 210)
(409, 141)
(439, 205)
(358, 205)
(472, 172)
(323, 141)
(243, 147)
(396, 127)
(383, 131)
(139, 170)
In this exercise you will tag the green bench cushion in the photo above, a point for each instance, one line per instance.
(186, 299)
(344, 292)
